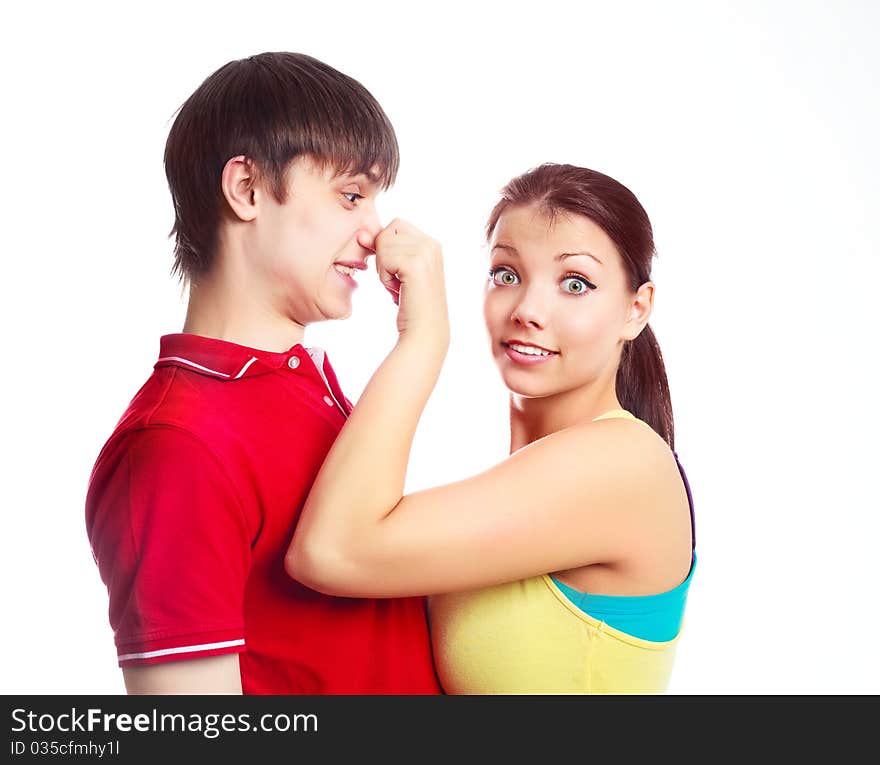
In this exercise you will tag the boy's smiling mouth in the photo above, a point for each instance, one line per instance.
(348, 270)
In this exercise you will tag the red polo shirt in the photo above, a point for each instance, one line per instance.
(191, 506)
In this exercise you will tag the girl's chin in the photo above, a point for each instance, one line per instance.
(517, 388)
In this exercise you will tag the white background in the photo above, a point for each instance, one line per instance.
(748, 131)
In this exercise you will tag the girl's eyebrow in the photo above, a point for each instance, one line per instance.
(562, 256)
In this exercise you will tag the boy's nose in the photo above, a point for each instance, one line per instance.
(369, 230)
(372, 224)
(367, 240)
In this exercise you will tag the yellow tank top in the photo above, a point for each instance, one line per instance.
(527, 637)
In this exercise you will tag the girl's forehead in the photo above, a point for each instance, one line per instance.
(526, 231)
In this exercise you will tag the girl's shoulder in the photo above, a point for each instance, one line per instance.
(645, 475)
(637, 458)
(629, 439)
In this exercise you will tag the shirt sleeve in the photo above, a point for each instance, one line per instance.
(170, 538)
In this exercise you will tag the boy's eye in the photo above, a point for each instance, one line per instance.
(503, 276)
(352, 196)
(576, 285)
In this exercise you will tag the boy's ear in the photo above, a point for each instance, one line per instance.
(238, 182)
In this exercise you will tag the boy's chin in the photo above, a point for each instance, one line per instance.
(340, 311)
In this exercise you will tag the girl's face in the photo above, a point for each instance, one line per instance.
(557, 303)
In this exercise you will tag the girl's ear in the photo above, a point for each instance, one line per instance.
(639, 311)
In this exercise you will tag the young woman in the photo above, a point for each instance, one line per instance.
(565, 568)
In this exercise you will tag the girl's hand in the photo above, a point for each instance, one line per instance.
(410, 266)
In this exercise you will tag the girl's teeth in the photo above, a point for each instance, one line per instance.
(345, 269)
(529, 350)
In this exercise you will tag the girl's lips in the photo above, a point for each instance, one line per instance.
(526, 358)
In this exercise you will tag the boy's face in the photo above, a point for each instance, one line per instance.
(300, 244)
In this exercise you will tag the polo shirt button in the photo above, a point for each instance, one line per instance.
(293, 362)
(328, 400)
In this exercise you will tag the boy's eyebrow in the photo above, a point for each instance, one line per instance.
(365, 177)
(562, 255)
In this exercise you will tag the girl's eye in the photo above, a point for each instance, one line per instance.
(503, 277)
(576, 285)
(352, 196)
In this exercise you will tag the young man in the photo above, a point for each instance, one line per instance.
(274, 164)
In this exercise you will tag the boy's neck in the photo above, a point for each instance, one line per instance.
(231, 309)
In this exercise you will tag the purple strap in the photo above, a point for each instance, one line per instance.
(687, 487)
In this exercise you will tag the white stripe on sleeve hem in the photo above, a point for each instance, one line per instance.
(180, 649)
